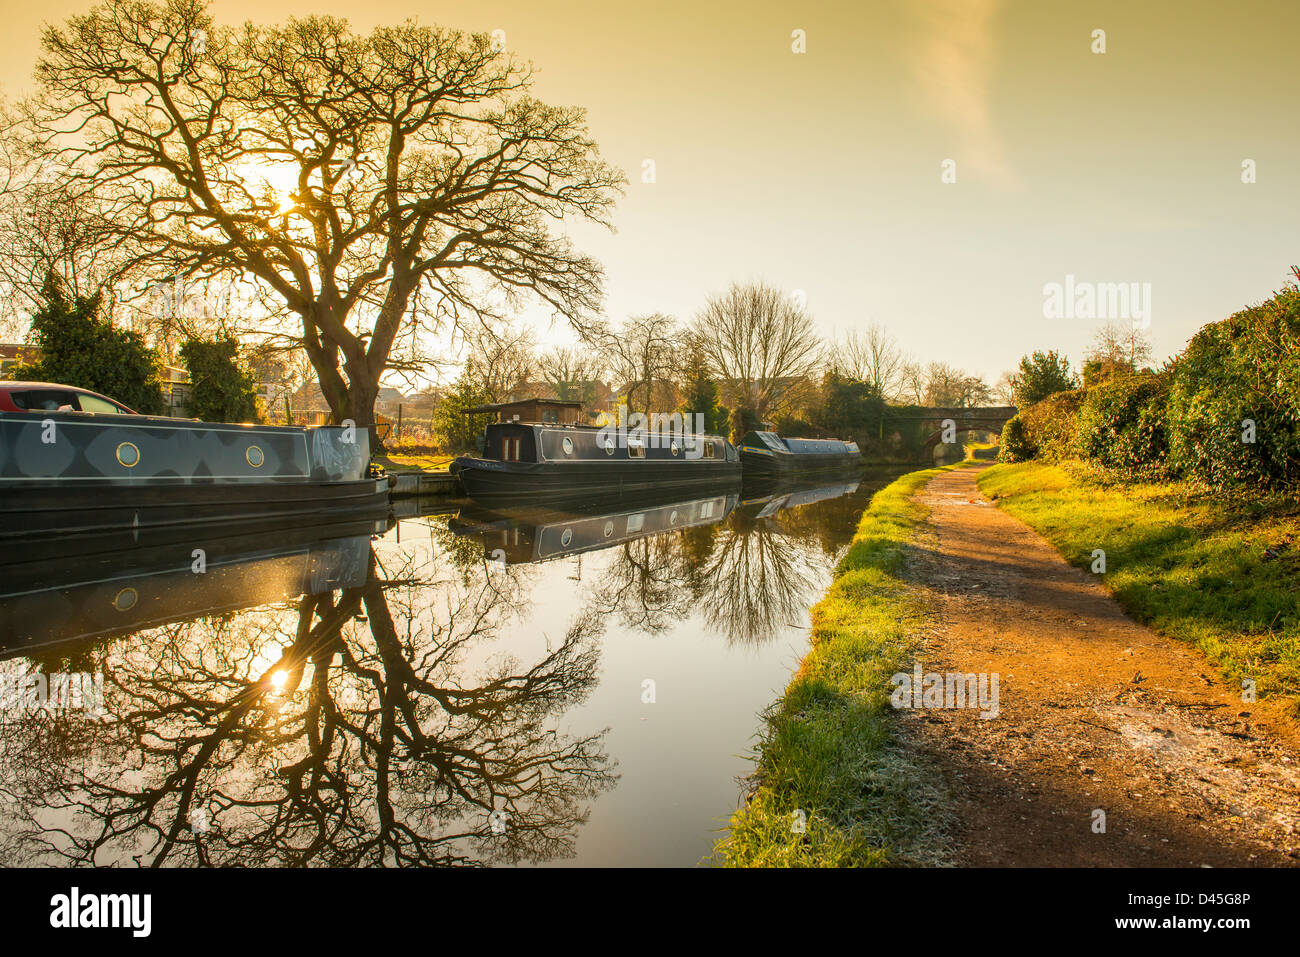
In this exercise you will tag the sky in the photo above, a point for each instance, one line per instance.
(823, 171)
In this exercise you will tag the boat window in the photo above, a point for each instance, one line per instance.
(708, 450)
(568, 445)
(609, 446)
(510, 448)
(93, 403)
(675, 447)
(636, 448)
(44, 400)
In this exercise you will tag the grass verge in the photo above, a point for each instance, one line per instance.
(827, 758)
(1219, 572)
(423, 461)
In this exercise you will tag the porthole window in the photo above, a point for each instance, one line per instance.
(672, 519)
(125, 599)
(567, 445)
(609, 446)
(128, 455)
(609, 529)
(675, 447)
(565, 537)
(255, 456)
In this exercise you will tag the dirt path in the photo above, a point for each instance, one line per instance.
(1096, 712)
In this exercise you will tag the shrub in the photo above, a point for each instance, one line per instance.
(1246, 367)
(1121, 424)
(1015, 445)
(78, 348)
(1050, 425)
(220, 390)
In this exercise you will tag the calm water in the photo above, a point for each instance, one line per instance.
(535, 686)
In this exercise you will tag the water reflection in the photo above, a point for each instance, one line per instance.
(336, 696)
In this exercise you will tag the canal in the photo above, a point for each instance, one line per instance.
(510, 687)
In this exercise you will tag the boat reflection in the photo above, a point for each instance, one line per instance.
(72, 589)
(526, 535)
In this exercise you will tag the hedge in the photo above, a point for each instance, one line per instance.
(1244, 370)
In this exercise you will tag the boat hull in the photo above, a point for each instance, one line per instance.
(492, 480)
(39, 512)
(784, 464)
(64, 473)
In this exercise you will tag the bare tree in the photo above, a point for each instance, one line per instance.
(1004, 390)
(950, 387)
(762, 343)
(912, 381)
(872, 356)
(368, 184)
(1120, 345)
(572, 372)
(643, 352)
(503, 357)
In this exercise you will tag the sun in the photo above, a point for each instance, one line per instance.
(280, 180)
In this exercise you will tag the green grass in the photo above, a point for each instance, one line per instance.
(1190, 565)
(828, 746)
(398, 461)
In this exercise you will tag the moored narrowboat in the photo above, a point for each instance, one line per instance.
(766, 453)
(72, 472)
(528, 461)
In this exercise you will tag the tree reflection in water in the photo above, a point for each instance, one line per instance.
(762, 577)
(751, 576)
(340, 731)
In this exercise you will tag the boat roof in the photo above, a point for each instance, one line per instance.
(798, 445)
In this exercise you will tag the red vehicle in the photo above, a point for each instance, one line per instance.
(49, 397)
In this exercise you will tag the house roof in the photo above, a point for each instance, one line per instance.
(497, 406)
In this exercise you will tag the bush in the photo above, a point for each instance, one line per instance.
(78, 348)
(1121, 424)
(1015, 445)
(1246, 367)
(220, 390)
(1050, 425)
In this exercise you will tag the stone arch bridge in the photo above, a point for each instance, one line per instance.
(988, 418)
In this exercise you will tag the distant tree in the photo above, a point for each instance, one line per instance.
(504, 358)
(871, 356)
(912, 379)
(1004, 390)
(78, 348)
(947, 386)
(221, 390)
(762, 342)
(644, 353)
(573, 373)
(456, 429)
(700, 394)
(1118, 347)
(849, 408)
(1040, 375)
